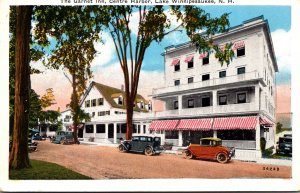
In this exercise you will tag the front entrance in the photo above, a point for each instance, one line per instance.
(194, 136)
(111, 131)
(80, 133)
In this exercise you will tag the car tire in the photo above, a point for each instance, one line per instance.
(121, 148)
(188, 155)
(148, 151)
(222, 158)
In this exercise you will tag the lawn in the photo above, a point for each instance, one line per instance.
(41, 170)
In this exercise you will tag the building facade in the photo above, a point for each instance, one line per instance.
(203, 98)
(106, 107)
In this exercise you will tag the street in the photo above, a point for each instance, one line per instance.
(101, 162)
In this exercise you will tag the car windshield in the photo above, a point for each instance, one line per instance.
(285, 140)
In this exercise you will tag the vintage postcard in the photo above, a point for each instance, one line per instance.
(149, 95)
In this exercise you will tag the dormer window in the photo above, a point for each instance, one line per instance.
(120, 100)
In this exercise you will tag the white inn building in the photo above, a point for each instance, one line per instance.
(235, 103)
(201, 98)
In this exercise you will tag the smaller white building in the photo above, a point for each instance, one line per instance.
(106, 107)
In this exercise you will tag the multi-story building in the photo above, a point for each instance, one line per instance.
(203, 98)
(106, 107)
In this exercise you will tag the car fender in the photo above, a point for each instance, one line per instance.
(126, 147)
(225, 152)
(150, 147)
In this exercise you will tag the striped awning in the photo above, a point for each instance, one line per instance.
(265, 122)
(195, 124)
(175, 62)
(189, 58)
(231, 123)
(163, 125)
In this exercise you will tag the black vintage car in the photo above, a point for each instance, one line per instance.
(142, 144)
(284, 145)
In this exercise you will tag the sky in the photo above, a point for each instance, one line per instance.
(106, 68)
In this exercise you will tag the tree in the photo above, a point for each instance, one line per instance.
(152, 27)
(19, 153)
(74, 31)
(278, 127)
(48, 99)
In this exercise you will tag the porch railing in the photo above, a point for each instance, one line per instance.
(239, 144)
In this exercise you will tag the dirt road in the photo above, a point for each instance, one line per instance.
(107, 162)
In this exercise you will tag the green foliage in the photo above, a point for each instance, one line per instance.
(34, 109)
(49, 116)
(278, 127)
(41, 170)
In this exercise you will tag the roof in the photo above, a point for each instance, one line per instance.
(211, 139)
(109, 93)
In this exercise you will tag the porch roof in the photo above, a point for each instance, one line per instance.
(163, 125)
(265, 122)
(231, 123)
(195, 124)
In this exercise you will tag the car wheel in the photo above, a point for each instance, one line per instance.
(222, 158)
(62, 142)
(121, 148)
(148, 151)
(188, 155)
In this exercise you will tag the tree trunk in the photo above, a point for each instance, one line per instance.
(74, 108)
(129, 121)
(19, 154)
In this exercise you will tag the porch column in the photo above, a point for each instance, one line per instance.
(214, 100)
(115, 132)
(215, 134)
(179, 102)
(95, 129)
(106, 132)
(257, 139)
(257, 97)
(179, 138)
(141, 128)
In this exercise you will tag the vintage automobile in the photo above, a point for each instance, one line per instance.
(63, 137)
(148, 145)
(210, 148)
(284, 145)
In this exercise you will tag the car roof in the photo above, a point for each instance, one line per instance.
(211, 138)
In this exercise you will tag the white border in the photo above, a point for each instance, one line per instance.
(150, 184)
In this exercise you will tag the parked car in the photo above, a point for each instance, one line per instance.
(38, 137)
(210, 148)
(284, 145)
(148, 145)
(63, 137)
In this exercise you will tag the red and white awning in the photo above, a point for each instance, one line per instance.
(189, 58)
(239, 44)
(265, 122)
(232, 123)
(163, 125)
(195, 124)
(175, 62)
(203, 55)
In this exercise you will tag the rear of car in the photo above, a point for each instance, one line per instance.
(284, 145)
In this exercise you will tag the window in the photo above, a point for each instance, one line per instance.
(93, 102)
(143, 139)
(120, 101)
(190, 103)
(240, 51)
(177, 82)
(107, 112)
(222, 74)
(134, 129)
(100, 101)
(205, 77)
(177, 67)
(135, 138)
(100, 128)
(123, 128)
(241, 97)
(93, 114)
(175, 104)
(191, 64)
(241, 70)
(171, 135)
(205, 101)
(190, 80)
(89, 128)
(101, 113)
(87, 103)
(139, 129)
(205, 60)
(205, 142)
(223, 100)
(236, 134)
(144, 129)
